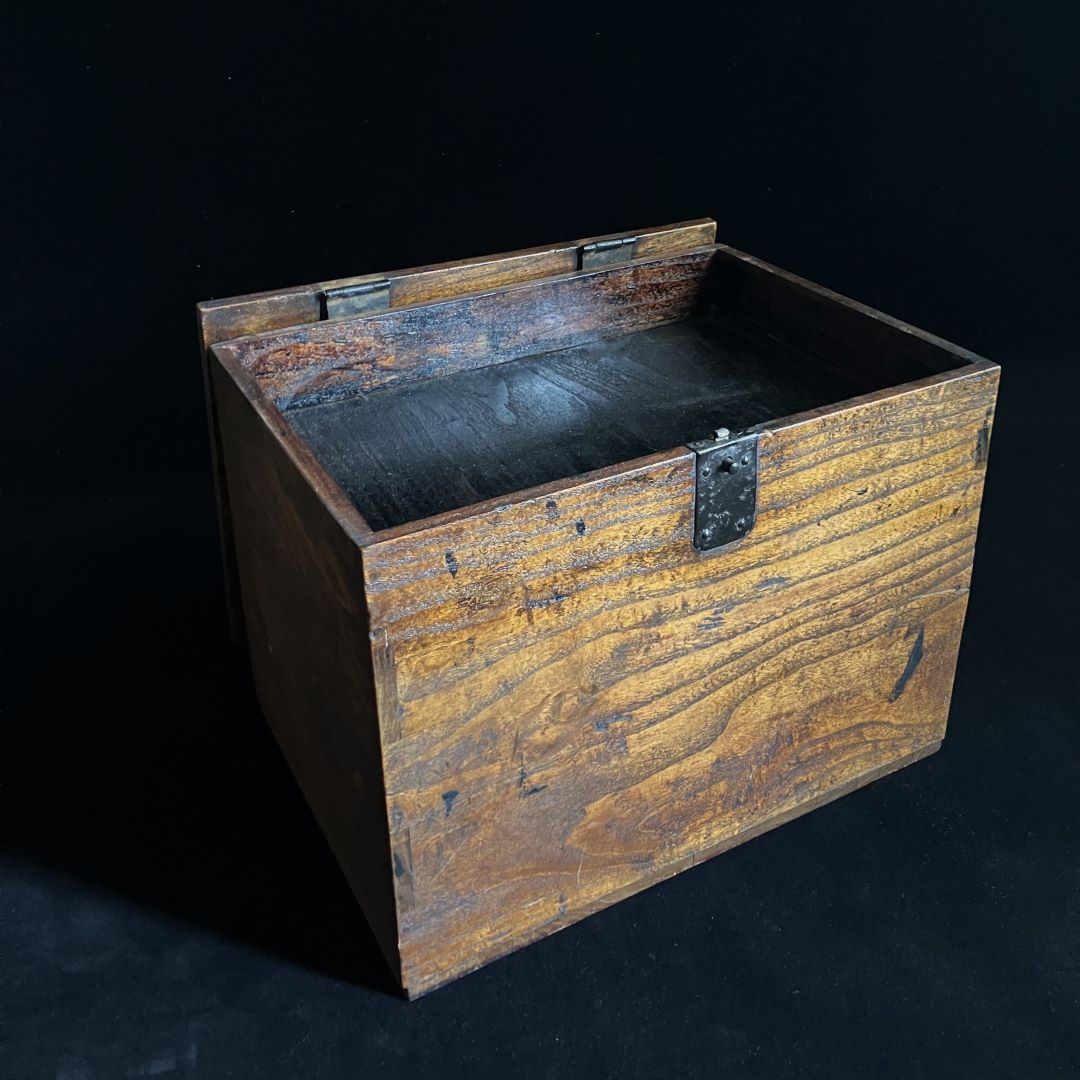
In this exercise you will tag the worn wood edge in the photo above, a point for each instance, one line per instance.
(979, 368)
(325, 487)
(821, 291)
(976, 369)
(698, 228)
(299, 305)
(300, 332)
(529, 494)
(670, 870)
(234, 608)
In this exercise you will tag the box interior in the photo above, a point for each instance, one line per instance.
(424, 410)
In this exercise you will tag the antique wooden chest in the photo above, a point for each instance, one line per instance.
(565, 569)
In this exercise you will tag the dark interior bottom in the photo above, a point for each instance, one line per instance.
(415, 449)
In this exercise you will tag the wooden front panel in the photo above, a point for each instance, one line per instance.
(574, 703)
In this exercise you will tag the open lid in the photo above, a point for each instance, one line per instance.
(223, 320)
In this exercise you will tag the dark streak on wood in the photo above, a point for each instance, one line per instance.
(914, 657)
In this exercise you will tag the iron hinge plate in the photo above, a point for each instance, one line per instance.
(725, 494)
(619, 249)
(362, 298)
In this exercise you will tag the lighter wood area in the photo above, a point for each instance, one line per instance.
(574, 702)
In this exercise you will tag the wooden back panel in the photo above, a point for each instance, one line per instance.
(336, 359)
(256, 313)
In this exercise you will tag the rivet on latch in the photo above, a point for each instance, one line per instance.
(725, 498)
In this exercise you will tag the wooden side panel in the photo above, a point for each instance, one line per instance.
(575, 703)
(841, 335)
(331, 359)
(234, 607)
(302, 585)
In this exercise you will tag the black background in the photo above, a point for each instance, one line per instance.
(169, 906)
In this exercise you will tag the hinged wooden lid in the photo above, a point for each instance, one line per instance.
(224, 320)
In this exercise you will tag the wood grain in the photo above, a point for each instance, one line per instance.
(256, 313)
(574, 702)
(421, 447)
(239, 316)
(336, 359)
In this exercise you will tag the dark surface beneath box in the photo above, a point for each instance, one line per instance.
(413, 449)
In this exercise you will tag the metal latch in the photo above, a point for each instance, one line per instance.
(363, 298)
(725, 498)
(606, 252)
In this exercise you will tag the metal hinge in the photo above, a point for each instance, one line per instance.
(606, 252)
(725, 496)
(363, 298)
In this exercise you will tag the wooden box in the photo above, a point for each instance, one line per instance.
(533, 629)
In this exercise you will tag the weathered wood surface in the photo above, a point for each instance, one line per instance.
(575, 703)
(518, 712)
(332, 359)
(256, 313)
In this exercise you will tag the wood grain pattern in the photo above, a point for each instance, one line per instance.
(257, 313)
(333, 359)
(574, 702)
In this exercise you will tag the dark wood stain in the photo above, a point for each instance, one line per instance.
(413, 449)
(913, 660)
(259, 313)
(302, 586)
